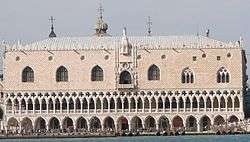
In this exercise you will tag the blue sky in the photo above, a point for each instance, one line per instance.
(27, 20)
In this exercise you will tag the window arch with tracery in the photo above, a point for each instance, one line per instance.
(187, 76)
(223, 75)
(62, 74)
(97, 74)
(153, 73)
(27, 75)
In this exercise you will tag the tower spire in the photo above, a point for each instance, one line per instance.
(100, 10)
(52, 33)
(149, 25)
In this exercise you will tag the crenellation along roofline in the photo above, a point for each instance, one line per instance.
(112, 42)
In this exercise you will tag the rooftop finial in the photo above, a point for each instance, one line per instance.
(52, 33)
(124, 32)
(149, 25)
(208, 33)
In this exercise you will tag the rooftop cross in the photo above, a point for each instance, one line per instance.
(52, 20)
(149, 24)
(52, 33)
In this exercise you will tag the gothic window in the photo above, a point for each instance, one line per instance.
(97, 74)
(187, 76)
(62, 74)
(28, 75)
(153, 73)
(125, 78)
(223, 76)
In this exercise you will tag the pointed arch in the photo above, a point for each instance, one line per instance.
(132, 103)
(27, 74)
(139, 103)
(150, 124)
(81, 124)
(91, 103)
(44, 104)
(188, 103)
(153, 73)
(236, 102)
(78, 104)
(153, 103)
(146, 103)
(64, 104)
(30, 104)
(105, 103)
(223, 75)
(174, 103)
(57, 104)
(51, 104)
(84, 104)
(109, 124)
(97, 73)
(191, 124)
(119, 103)
(229, 102)
(163, 123)
(125, 103)
(71, 104)
(37, 104)
(61, 74)
(112, 103)
(194, 103)
(216, 103)
(201, 103)
(208, 103)
(167, 103)
(99, 104)
(160, 103)
(125, 78)
(187, 76)
(181, 103)
(222, 102)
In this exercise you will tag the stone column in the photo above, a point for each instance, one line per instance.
(164, 105)
(136, 106)
(233, 104)
(20, 108)
(122, 106)
(170, 104)
(178, 107)
(108, 105)
(34, 109)
(129, 106)
(205, 105)
(115, 104)
(54, 107)
(67, 107)
(212, 104)
(198, 127)
(198, 105)
(81, 106)
(184, 105)
(129, 125)
(27, 102)
(157, 126)
(47, 107)
(12, 107)
(41, 107)
(157, 107)
(150, 105)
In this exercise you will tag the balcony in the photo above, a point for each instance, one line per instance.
(126, 86)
